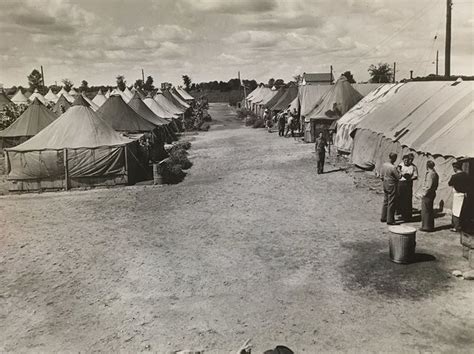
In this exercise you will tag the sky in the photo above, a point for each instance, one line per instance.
(96, 40)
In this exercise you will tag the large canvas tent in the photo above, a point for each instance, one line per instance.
(309, 96)
(173, 100)
(157, 109)
(122, 117)
(78, 149)
(61, 105)
(433, 120)
(34, 119)
(92, 105)
(51, 96)
(167, 105)
(270, 103)
(286, 99)
(39, 96)
(66, 95)
(179, 99)
(19, 98)
(184, 94)
(331, 106)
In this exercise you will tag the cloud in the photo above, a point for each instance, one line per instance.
(231, 6)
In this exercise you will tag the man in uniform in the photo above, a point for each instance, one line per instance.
(281, 124)
(320, 147)
(390, 176)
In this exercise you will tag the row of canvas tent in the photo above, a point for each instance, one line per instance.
(84, 147)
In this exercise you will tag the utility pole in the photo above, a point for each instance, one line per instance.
(437, 61)
(332, 78)
(143, 76)
(42, 75)
(394, 70)
(447, 50)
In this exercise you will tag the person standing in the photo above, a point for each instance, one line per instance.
(427, 195)
(281, 124)
(409, 174)
(289, 126)
(390, 177)
(320, 147)
(460, 183)
(267, 118)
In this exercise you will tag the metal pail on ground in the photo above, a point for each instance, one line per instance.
(402, 243)
(157, 178)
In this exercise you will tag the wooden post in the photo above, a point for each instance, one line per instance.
(126, 163)
(437, 61)
(66, 172)
(447, 49)
(394, 71)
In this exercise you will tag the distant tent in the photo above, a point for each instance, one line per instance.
(61, 105)
(122, 117)
(51, 97)
(173, 100)
(117, 91)
(31, 122)
(128, 93)
(73, 92)
(99, 98)
(107, 94)
(167, 105)
(60, 158)
(157, 109)
(179, 99)
(184, 94)
(281, 91)
(144, 111)
(39, 96)
(309, 96)
(286, 99)
(19, 98)
(92, 105)
(66, 95)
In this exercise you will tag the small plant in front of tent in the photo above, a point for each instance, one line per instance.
(10, 113)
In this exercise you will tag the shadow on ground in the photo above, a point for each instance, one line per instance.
(369, 269)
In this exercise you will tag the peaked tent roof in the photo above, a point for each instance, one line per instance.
(31, 122)
(341, 95)
(157, 109)
(63, 132)
(99, 98)
(173, 100)
(62, 101)
(128, 93)
(436, 117)
(19, 98)
(39, 96)
(51, 97)
(73, 92)
(107, 94)
(142, 109)
(178, 98)
(66, 95)
(117, 92)
(122, 117)
(91, 103)
(184, 94)
(349, 121)
(281, 91)
(309, 96)
(167, 105)
(285, 100)
(267, 96)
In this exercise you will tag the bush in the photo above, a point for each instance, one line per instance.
(250, 121)
(180, 157)
(259, 123)
(171, 172)
(186, 145)
(243, 113)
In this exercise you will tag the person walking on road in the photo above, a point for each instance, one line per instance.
(460, 183)
(390, 177)
(320, 147)
(427, 195)
(405, 188)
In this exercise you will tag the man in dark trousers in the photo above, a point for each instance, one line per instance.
(461, 184)
(427, 195)
(405, 187)
(320, 147)
(281, 124)
(390, 176)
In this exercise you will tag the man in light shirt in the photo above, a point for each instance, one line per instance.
(427, 195)
(390, 176)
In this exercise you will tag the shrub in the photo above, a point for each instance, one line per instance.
(186, 145)
(180, 157)
(250, 121)
(259, 123)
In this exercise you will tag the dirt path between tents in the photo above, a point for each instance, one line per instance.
(253, 244)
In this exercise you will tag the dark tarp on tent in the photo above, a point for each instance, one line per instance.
(78, 149)
(122, 117)
(285, 100)
(31, 122)
(61, 105)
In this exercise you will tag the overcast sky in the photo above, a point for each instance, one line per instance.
(96, 40)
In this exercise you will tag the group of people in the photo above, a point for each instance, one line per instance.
(398, 192)
(288, 122)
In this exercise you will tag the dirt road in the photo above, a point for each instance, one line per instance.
(253, 244)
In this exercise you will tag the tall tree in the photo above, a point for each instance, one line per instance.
(187, 81)
(349, 77)
(380, 73)
(35, 80)
(84, 86)
(148, 86)
(279, 83)
(138, 84)
(121, 82)
(68, 84)
(271, 82)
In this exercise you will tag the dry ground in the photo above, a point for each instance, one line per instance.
(253, 244)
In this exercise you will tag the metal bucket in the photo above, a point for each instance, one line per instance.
(402, 243)
(157, 178)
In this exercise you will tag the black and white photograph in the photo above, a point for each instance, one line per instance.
(237, 176)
